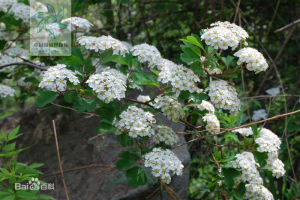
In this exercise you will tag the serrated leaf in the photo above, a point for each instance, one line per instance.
(229, 175)
(136, 176)
(125, 140)
(45, 97)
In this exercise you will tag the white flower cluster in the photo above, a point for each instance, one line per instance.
(77, 23)
(17, 52)
(166, 135)
(6, 59)
(244, 131)
(146, 54)
(56, 77)
(224, 96)
(206, 105)
(212, 123)
(245, 161)
(164, 63)
(235, 29)
(223, 35)
(6, 4)
(6, 91)
(103, 43)
(259, 114)
(172, 109)
(269, 142)
(257, 192)
(109, 84)
(135, 122)
(180, 77)
(275, 165)
(163, 163)
(21, 11)
(254, 59)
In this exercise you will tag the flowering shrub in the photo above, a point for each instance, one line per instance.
(199, 92)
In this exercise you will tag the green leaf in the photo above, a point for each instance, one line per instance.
(45, 97)
(141, 78)
(227, 60)
(28, 195)
(109, 111)
(128, 158)
(69, 97)
(136, 176)
(189, 56)
(229, 174)
(13, 134)
(106, 127)
(125, 140)
(261, 158)
(46, 197)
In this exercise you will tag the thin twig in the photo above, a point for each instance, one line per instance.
(69, 108)
(171, 193)
(76, 169)
(59, 161)
(243, 126)
(24, 63)
(288, 26)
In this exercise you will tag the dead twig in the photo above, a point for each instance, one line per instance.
(59, 161)
(288, 26)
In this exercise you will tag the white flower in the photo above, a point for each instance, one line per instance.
(267, 141)
(257, 192)
(273, 91)
(235, 29)
(163, 163)
(135, 122)
(17, 52)
(5, 59)
(212, 123)
(143, 98)
(21, 11)
(206, 105)
(109, 84)
(77, 23)
(103, 43)
(223, 35)
(259, 114)
(6, 4)
(56, 77)
(275, 165)
(246, 162)
(211, 70)
(244, 131)
(166, 135)
(171, 109)
(254, 59)
(180, 77)
(224, 96)
(164, 63)
(146, 54)
(6, 91)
